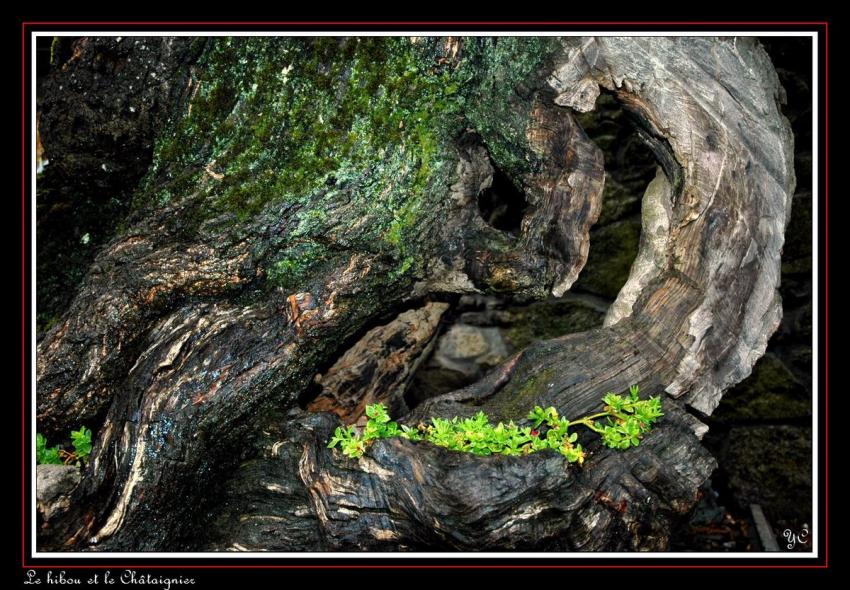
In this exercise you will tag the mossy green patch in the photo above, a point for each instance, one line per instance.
(363, 125)
(278, 117)
(296, 263)
(549, 319)
(613, 249)
(524, 395)
(771, 392)
(499, 73)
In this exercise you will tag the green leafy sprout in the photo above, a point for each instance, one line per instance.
(622, 424)
(56, 455)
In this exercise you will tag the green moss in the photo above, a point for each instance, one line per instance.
(503, 70)
(406, 264)
(550, 319)
(296, 263)
(282, 118)
(771, 392)
(613, 249)
(525, 395)
(363, 123)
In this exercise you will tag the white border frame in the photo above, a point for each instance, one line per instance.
(767, 556)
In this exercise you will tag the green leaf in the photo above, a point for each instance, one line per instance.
(628, 418)
(410, 433)
(378, 413)
(337, 438)
(537, 416)
(45, 455)
(50, 457)
(81, 439)
(614, 401)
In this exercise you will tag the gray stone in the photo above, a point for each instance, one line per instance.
(542, 320)
(53, 487)
(469, 349)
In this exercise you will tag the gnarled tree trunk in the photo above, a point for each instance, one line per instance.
(304, 192)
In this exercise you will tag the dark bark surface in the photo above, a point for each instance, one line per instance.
(98, 114)
(200, 325)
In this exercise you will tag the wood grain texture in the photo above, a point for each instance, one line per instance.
(378, 368)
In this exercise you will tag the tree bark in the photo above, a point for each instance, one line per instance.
(301, 196)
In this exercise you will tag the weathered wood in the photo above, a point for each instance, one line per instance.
(408, 496)
(379, 367)
(180, 338)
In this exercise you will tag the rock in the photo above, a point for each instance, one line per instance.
(54, 484)
(465, 354)
(469, 349)
(430, 382)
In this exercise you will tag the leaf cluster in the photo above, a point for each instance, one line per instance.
(378, 426)
(628, 419)
(478, 436)
(57, 455)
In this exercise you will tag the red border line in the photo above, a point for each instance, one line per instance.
(826, 291)
(24, 351)
(24, 565)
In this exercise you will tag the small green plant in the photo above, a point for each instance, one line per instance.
(56, 455)
(378, 426)
(45, 455)
(81, 439)
(626, 420)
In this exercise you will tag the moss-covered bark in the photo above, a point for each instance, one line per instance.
(314, 125)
